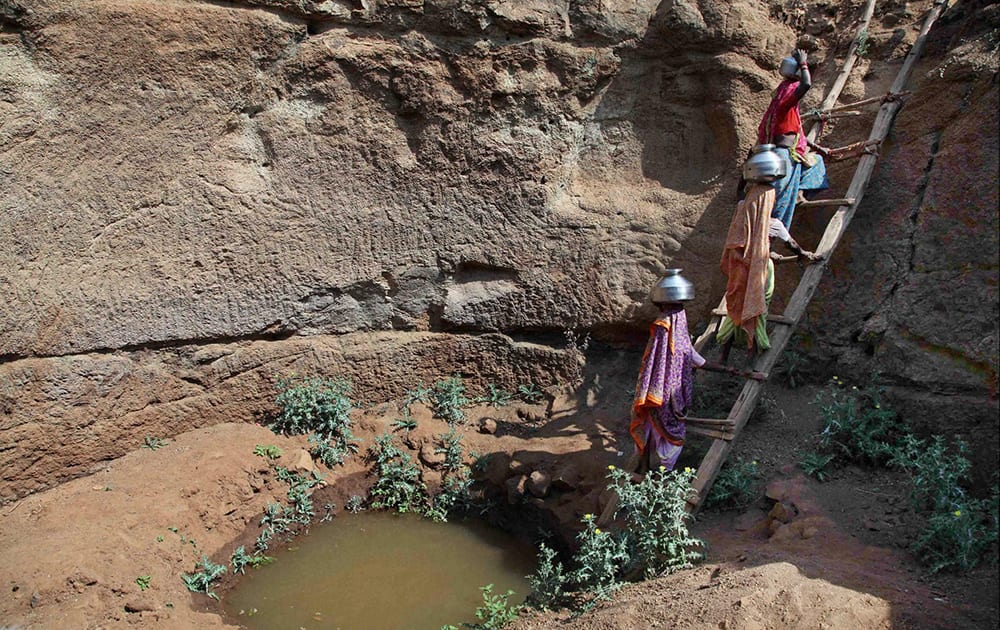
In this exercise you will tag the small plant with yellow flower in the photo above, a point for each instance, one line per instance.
(548, 582)
(600, 560)
(960, 529)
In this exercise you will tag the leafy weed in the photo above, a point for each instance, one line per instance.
(201, 581)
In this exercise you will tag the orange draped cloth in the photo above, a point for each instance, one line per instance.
(745, 257)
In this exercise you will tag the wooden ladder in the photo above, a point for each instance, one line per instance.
(724, 431)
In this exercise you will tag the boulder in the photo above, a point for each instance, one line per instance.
(539, 483)
(565, 478)
(139, 604)
(299, 461)
(487, 426)
(782, 512)
(429, 455)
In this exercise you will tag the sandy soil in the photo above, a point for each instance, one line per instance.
(73, 553)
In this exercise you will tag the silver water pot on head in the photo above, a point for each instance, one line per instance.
(789, 68)
(672, 287)
(765, 165)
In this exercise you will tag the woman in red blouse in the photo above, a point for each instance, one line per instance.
(782, 126)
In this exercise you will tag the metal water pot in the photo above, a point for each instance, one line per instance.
(789, 68)
(672, 287)
(765, 165)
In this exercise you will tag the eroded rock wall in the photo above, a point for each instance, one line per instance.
(913, 289)
(190, 171)
(282, 175)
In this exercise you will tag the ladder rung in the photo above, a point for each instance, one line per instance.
(818, 203)
(890, 96)
(712, 433)
(828, 115)
(777, 319)
(781, 319)
(709, 422)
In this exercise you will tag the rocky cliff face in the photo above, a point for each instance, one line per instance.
(913, 290)
(197, 196)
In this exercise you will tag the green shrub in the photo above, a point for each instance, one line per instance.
(654, 541)
(548, 582)
(530, 393)
(201, 580)
(495, 612)
(857, 426)
(495, 396)
(454, 492)
(240, 559)
(316, 405)
(864, 42)
(269, 451)
(406, 424)
(735, 486)
(301, 509)
(420, 393)
(143, 582)
(958, 540)
(451, 447)
(279, 519)
(355, 504)
(960, 529)
(153, 443)
(453, 496)
(814, 465)
(264, 540)
(447, 400)
(322, 450)
(398, 485)
(936, 476)
(319, 406)
(656, 514)
(276, 518)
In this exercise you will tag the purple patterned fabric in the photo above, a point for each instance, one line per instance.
(666, 386)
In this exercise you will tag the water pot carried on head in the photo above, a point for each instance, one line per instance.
(672, 287)
(789, 68)
(765, 165)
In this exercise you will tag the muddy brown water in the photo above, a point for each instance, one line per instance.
(381, 571)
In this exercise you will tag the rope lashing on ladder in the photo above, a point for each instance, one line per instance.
(827, 114)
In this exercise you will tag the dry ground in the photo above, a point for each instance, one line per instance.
(72, 554)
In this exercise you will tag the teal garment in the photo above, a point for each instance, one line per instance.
(800, 177)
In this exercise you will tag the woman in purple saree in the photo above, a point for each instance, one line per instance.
(665, 389)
